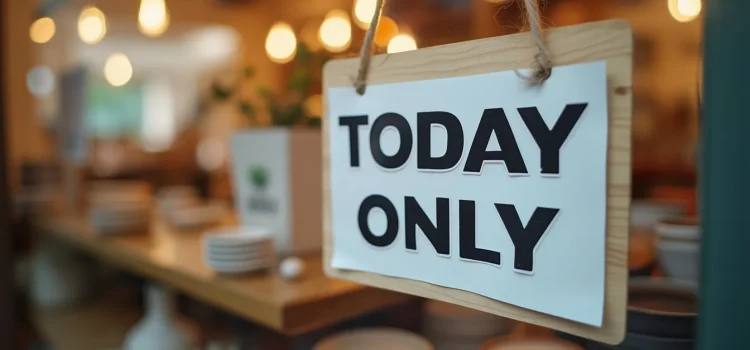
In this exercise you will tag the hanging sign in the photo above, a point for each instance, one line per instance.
(453, 179)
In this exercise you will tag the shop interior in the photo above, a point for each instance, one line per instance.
(120, 117)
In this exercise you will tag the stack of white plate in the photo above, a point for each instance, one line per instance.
(119, 207)
(453, 327)
(239, 250)
(679, 248)
(374, 339)
(116, 217)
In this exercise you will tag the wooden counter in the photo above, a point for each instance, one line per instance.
(175, 258)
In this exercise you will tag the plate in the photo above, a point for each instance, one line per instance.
(662, 307)
(267, 245)
(375, 339)
(236, 236)
(240, 257)
(236, 268)
(509, 343)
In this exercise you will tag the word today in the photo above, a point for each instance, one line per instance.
(494, 121)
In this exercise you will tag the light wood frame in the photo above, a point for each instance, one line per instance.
(611, 41)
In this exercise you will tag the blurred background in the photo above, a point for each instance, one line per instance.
(149, 92)
(159, 102)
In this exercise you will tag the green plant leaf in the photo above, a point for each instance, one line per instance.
(248, 110)
(304, 55)
(249, 72)
(264, 92)
(220, 93)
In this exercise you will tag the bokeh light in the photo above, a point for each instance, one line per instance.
(336, 31)
(92, 25)
(42, 30)
(387, 29)
(363, 12)
(401, 43)
(211, 154)
(117, 70)
(153, 18)
(685, 10)
(281, 43)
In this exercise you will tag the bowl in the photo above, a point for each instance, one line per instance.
(680, 260)
(683, 229)
(374, 338)
(662, 308)
(646, 213)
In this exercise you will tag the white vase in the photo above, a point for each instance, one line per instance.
(160, 328)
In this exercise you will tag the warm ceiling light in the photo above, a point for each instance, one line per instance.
(281, 43)
(336, 31)
(92, 25)
(685, 10)
(401, 43)
(118, 70)
(42, 30)
(363, 12)
(211, 153)
(387, 29)
(153, 18)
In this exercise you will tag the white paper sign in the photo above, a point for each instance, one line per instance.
(479, 183)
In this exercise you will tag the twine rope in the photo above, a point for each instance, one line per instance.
(360, 84)
(542, 66)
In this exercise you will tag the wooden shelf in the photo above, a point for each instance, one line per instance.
(176, 258)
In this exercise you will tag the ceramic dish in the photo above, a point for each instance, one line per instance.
(229, 237)
(645, 213)
(374, 339)
(662, 308)
(221, 248)
(239, 268)
(240, 257)
(686, 229)
(510, 343)
(680, 260)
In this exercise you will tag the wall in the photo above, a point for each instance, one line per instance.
(24, 140)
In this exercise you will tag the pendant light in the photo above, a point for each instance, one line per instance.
(92, 25)
(153, 18)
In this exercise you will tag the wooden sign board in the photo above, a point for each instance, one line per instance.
(443, 178)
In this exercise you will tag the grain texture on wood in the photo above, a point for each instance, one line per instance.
(610, 41)
(176, 258)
